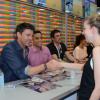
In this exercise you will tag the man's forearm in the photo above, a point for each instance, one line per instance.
(35, 69)
(70, 57)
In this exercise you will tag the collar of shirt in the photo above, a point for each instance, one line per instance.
(35, 49)
(18, 47)
(59, 49)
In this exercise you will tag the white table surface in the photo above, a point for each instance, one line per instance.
(22, 93)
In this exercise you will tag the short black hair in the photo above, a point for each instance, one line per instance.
(54, 32)
(37, 31)
(79, 38)
(22, 26)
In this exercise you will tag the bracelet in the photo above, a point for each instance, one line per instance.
(45, 66)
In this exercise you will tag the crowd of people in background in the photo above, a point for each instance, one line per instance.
(90, 81)
(26, 56)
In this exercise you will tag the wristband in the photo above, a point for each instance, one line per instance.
(45, 66)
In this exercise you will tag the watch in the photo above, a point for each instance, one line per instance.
(45, 66)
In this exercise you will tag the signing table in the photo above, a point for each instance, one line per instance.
(67, 91)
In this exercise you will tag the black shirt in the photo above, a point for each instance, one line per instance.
(59, 52)
(87, 82)
(89, 49)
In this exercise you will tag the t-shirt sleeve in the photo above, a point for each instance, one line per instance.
(64, 46)
(49, 54)
(52, 49)
(76, 53)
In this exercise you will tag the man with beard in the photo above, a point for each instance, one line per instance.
(57, 48)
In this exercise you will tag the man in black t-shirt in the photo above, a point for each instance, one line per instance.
(57, 48)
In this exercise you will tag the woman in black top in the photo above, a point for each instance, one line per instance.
(90, 82)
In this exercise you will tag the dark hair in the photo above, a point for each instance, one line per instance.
(94, 21)
(21, 27)
(53, 33)
(79, 38)
(37, 31)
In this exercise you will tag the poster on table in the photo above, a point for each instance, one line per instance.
(78, 7)
(87, 8)
(68, 6)
(93, 8)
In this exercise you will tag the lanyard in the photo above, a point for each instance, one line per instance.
(59, 50)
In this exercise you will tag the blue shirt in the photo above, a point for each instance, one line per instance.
(13, 63)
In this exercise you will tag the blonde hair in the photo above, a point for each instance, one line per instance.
(94, 21)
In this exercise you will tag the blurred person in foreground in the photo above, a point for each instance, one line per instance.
(90, 82)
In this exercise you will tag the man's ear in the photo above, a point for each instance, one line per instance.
(18, 34)
(52, 39)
